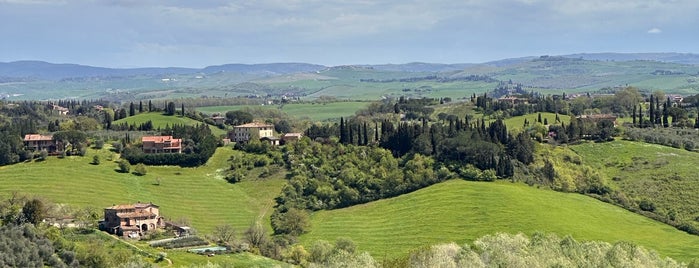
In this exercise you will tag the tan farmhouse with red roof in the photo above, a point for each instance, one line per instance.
(161, 144)
(132, 220)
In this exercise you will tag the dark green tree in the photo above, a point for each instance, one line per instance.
(238, 117)
(170, 108)
(132, 109)
(33, 211)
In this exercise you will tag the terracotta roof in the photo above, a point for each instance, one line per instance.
(135, 214)
(37, 137)
(255, 124)
(132, 206)
(159, 138)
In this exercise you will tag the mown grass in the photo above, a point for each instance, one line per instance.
(664, 175)
(200, 195)
(160, 121)
(517, 122)
(312, 111)
(462, 211)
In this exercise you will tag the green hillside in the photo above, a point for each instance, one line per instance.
(462, 211)
(198, 194)
(160, 121)
(665, 176)
(312, 111)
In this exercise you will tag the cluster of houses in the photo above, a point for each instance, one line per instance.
(264, 132)
(168, 144)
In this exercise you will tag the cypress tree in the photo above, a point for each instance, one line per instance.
(658, 119)
(652, 111)
(132, 110)
(376, 132)
(366, 135)
(351, 134)
(183, 109)
(150, 106)
(140, 107)
(343, 134)
(633, 115)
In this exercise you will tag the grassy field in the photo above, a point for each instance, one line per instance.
(160, 121)
(311, 111)
(517, 122)
(462, 211)
(198, 194)
(663, 175)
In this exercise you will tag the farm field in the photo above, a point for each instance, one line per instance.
(199, 194)
(312, 111)
(462, 211)
(517, 122)
(663, 175)
(160, 121)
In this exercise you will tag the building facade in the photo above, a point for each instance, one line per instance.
(131, 220)
(246, 132)
(38, 142)
(161, 144)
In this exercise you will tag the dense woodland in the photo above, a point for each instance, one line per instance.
(393, 147)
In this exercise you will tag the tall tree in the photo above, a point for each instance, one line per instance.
(343, 131)
(366, 135)
(140, 107)
(182, 109)
(150, 106)
(652, 111)
(170, 109)
(132, 109)
(633, 115)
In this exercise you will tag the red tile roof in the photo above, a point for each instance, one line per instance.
(159, 139)
(37, 137)
(255, 124)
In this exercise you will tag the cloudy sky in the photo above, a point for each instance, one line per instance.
(197, 33)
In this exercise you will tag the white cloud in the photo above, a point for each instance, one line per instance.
(655, 31)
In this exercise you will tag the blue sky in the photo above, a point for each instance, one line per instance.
(189, 33)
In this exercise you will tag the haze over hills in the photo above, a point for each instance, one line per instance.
(51, 71)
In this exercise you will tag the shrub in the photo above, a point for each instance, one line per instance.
(99, 144)
(124, 166)
(96, 160)
(646, 205)
(140, 169)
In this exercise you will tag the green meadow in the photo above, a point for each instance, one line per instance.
(319, 111)
(462, 211)
(200, 194)
(160, 121)
(663, 175)
(517, 122)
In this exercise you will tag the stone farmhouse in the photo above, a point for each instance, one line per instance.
(291, 137)
(38, 142)
(131, 220)
(243, 133)
(594, 118)
(161, 144)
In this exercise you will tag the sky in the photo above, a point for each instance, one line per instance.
(199, 33)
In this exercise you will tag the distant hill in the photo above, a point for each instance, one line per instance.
(683, 58)
(51, 71)
(420, 67)
(269, 68)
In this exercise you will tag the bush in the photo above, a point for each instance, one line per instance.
(140, 169)
(646, 205)
(99, 144)
(124, 166)
(96, 160)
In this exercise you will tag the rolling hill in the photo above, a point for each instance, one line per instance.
(462, 211)
(670, 72)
